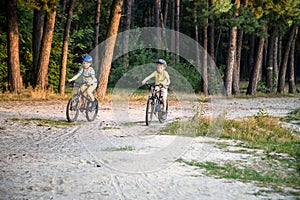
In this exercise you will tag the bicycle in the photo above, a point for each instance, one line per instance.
(81, 102)
(155, 105)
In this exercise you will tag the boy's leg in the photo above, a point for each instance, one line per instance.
(90, 91)
(164, 95)
(83, 88)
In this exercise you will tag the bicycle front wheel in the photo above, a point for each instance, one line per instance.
(162, 116)
(92, 110)
(73, 108)
(149, 111)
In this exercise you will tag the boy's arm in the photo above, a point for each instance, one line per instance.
(74, 77)
(148, 77)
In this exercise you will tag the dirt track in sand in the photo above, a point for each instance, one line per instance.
(83, 161)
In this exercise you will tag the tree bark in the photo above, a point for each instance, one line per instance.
(105, 66)
(126, 27)
(37, 35)
(251, 54)
(231, 61)
(64, 56)
(177, 28)
(218, 43)
(283, 68)
(237, 68)
(292, 84)
(42, 79)
(172, 37)
(97, 23)
(165, 13)
(255, 76)
(275, 59)
(205, 56)
(211, 35)
(197, 40)
(270, 60)
(15, 79)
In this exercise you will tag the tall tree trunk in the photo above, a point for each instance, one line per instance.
(211, 35)
(251, 54)
(205, 56)
(15, 79)
(97, 24)
(292, 84)
(218, 43)
(116, 12)
(275, 59)
(237, 68)
(231, 59)
(165, 13)
(197, 40)
(270, 61)
(37, 35)
(126, 27)
(255, 76)
(177, 28)
(283, 68)
(64, 56)
(172, 37)
(42, 79)
(158, 12)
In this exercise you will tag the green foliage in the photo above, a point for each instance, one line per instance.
(250, 18)
(232, 171)
(261, 131)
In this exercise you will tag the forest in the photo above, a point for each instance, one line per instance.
(254, 44)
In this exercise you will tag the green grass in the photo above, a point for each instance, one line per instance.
(294, 116)
(43, 122)
(231, 171)
(262, 132)
(125, 148)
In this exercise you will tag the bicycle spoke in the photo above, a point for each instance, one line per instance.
(72, 109)
(92, 110)
(149, 111)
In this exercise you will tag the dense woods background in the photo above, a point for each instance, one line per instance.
(251, 41)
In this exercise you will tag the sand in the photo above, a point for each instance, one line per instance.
(118, 157)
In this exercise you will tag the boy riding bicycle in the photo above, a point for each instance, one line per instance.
(88, 72)
(162, 78)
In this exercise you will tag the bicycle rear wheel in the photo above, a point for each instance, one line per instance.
(73, 108)
(92, 110)
(149, 111)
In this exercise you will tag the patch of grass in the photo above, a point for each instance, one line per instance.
(110, 128)
(257, 132)
(43, 122)
(231, 171)
(125, 148)
(293, 116)
(260, 131)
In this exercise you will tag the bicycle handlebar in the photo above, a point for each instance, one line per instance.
(153, 84)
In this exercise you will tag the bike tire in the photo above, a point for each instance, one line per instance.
(149, 111)
(159, 116)
(73, 109)
(91, 111)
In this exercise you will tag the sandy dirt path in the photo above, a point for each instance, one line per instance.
(117, 156)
